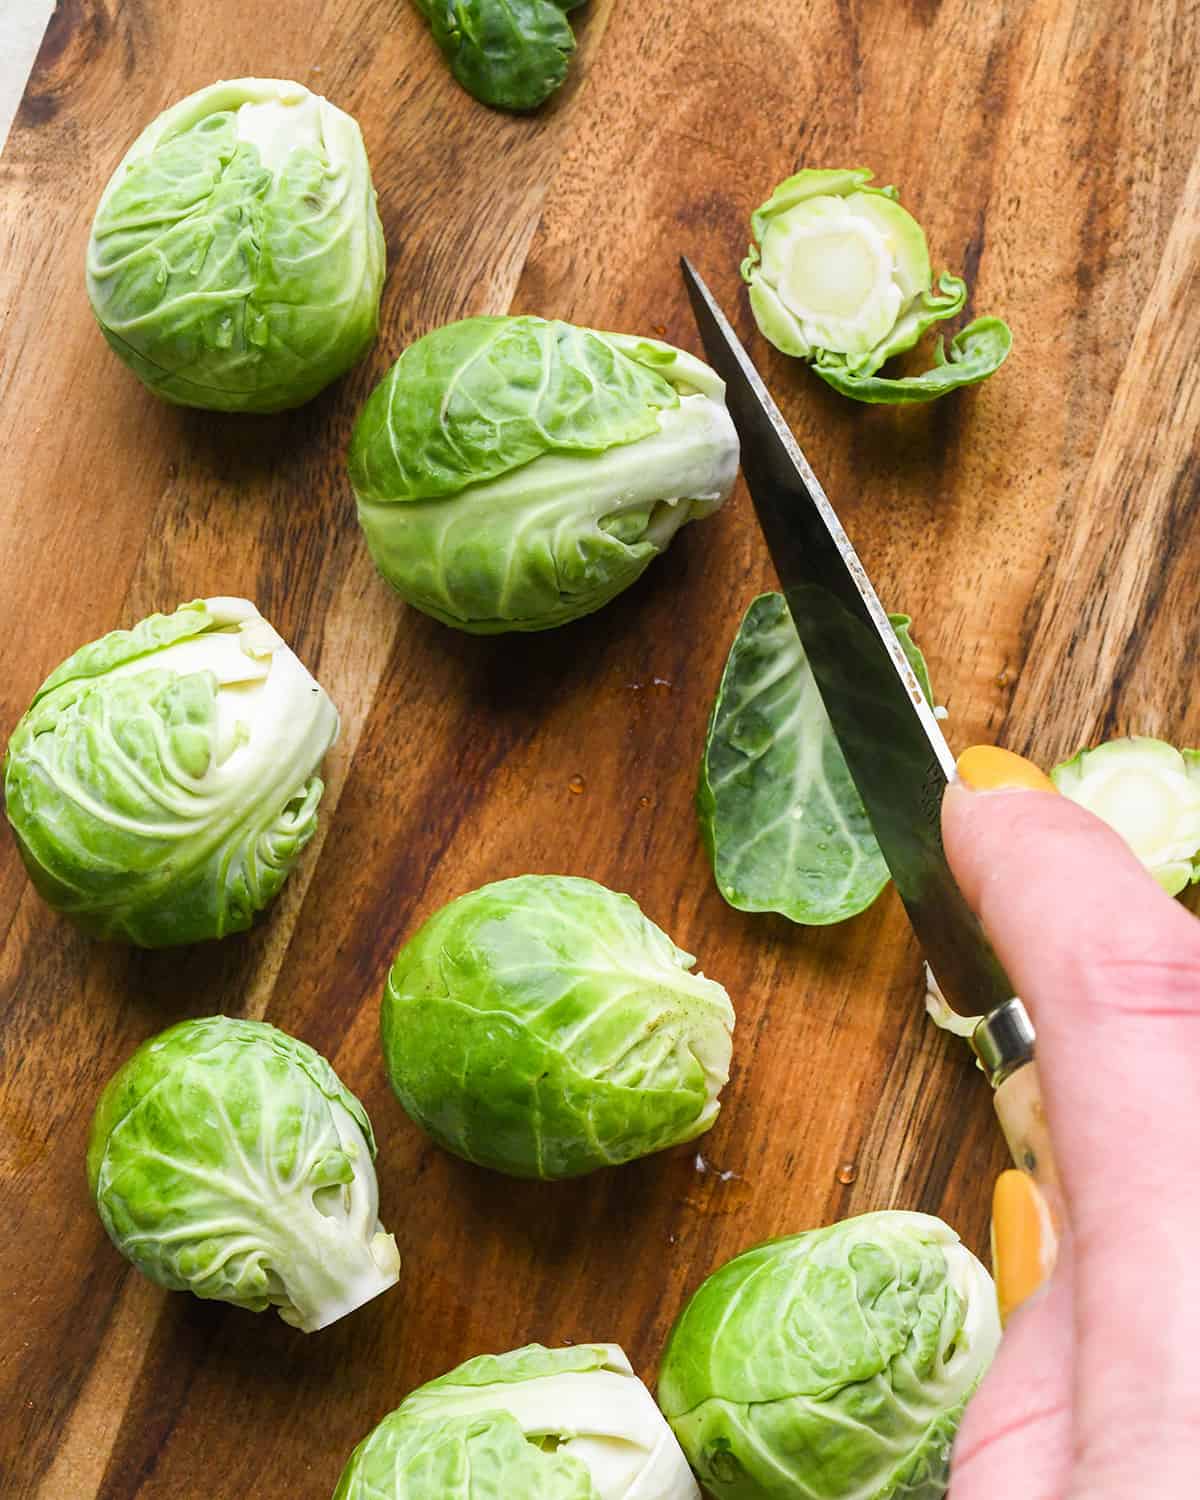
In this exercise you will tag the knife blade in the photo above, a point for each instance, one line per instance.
(893, 745)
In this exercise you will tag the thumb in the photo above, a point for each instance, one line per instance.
(1109, 967)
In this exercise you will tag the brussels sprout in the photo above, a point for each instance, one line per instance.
(512, 54)
(162, 783)
(228, 1159)
(513, 474)
(840, 276)
(555, 1424)
(1150, 793)
(544, 1027)
(236, 257)
(833, 1363)
(780, 815)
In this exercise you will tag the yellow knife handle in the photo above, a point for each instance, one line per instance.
(1026, 1224)
(1028, 1209)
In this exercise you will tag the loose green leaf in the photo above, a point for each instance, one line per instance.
(511, 54)
(533, 1424)
(544, 1027)
(832, 1364)
(514, 473)
(236, 258)
(1150, 793)
(975, 353)
(839, 275)
(781, 817)
(228, 1159)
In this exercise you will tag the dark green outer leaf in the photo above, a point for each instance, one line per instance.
(779, 812)
(511, 54)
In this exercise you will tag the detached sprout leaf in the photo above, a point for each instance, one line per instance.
(227, 1159)
(511, 54)
(514, 473)
(555, 1424)
(236, 259)
(544, 1027)
(839, 275)
(780, 815)
(163, 782)
(1150, 793)
(832, 1363)
(943, 1015)
(975, 353)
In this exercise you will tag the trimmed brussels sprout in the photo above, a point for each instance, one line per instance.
(512, 54)
(832, 1363)
(1150, 793)
(839, 275)
(544, 1027)
(228, 1159)
(163, 781)
(514, 474)
(781, 817)
(558, 1424)
(236, 258)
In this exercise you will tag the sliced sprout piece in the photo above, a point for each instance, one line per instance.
(1150, 793)
(511, 54)
(779, 812)
(942, 1014)
(839, 275)
(558, 1424)
(228, 1159)
(513, 473)
(236, 257)
(544, 1027)
(163, 782)
(831, 1364)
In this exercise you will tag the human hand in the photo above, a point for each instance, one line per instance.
(1095, 1393)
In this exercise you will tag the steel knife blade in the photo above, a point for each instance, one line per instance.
(892, 742)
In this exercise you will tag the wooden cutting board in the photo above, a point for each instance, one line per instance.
(1043, 530)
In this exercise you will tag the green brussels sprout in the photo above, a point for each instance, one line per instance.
(544, 1027)
(840, 276)
(555, 1424)
(1150, 793)
(779, 812)
(236, 258)
(163, 781)
(512, 54)
(228, 1159)
(832, 1363)
(514, 474)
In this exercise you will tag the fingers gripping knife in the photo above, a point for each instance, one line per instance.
(887, 731)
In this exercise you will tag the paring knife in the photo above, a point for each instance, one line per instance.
(892, 742)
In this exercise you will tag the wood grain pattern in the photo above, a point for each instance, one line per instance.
(1043, 529)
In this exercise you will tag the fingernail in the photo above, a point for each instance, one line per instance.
(1023, 1240)
(987, 768)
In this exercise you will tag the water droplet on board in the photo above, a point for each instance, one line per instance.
(1002, 677)
(576, 785)
(643, 801)
(662, 683)
(847, 1173)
